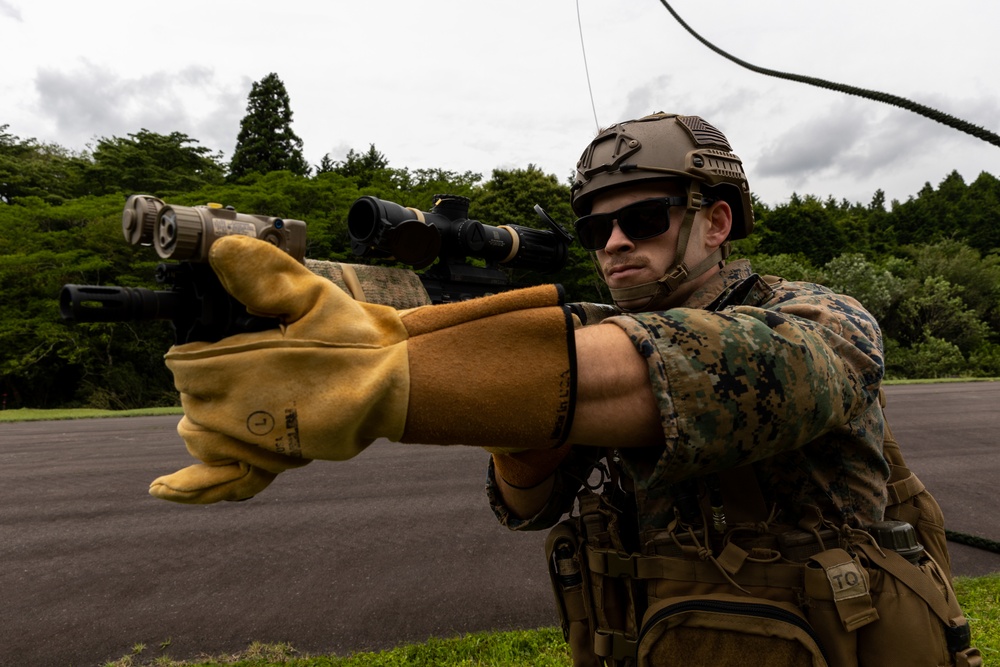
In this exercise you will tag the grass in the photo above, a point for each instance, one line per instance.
(979, 596)
(538, 648)
(980, 600)
(31, 414)
(887, 382)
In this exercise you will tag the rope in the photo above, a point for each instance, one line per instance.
(973, 541)
(877, 96)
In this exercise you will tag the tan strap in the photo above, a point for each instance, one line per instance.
(353, 282)
(907, 485)
(614, 645)
(613, 563)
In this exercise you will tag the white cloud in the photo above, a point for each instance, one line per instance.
(93, 101)
(10, 10)
(473, 86)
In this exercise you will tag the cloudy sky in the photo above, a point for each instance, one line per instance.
(471, 85)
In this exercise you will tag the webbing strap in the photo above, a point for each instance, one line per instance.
(615, 645)
(905, 488)
(616, 564)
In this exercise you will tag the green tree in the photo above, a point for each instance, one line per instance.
(325, 166)
(365, 167)
(804, 226)
(32, 169)
(980, 215)
(977, 277)
(153, 163)
(46, 363)
(266, 141)
(875, 286)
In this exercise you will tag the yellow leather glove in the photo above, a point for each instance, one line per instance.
(338, 374)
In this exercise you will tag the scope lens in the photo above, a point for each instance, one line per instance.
(167, 230)
(362, 220)
(179, 230)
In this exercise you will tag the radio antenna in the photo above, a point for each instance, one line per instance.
(583, 47)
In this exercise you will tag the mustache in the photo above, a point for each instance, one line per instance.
(630, 262)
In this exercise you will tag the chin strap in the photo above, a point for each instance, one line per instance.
(678, 273)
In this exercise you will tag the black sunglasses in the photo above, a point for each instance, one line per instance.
(639, 221)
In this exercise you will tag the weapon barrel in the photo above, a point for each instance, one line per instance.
(96, 303)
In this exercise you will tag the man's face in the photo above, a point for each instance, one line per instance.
(626, 263)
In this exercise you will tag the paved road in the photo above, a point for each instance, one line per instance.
(394, 546)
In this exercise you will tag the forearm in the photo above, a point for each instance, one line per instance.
(525, 503)
(615, 407)
(615, 404)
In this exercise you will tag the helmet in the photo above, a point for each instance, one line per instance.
(661, 146)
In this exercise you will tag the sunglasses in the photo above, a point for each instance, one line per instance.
(639, 221)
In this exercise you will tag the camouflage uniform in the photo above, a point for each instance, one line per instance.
(788, 381)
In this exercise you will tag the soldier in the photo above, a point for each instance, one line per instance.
(721, 433)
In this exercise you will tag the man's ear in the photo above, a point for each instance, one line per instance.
(720, 222)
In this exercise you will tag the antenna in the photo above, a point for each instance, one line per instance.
(583, 47)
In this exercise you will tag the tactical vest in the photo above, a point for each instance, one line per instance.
(728, 585)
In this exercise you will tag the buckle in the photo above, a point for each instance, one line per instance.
(619, 565)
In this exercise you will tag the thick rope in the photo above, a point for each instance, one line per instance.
(894, 100)
(973, 541)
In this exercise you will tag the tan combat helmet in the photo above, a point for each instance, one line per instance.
(671, 146)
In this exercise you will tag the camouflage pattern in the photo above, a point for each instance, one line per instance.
(787, 380)
(399, 288)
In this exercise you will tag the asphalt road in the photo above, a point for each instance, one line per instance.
(395, 546)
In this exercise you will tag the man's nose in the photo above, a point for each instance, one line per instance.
(618, 241)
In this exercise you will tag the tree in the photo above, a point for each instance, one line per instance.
(154, 163)
(326, 165)
(362, 166)
(804, 226)
(266, 141)
(32, 169)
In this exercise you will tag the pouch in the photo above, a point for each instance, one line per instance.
(727, 631)
(920, 622)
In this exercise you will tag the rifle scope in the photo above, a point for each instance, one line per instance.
(384, 230)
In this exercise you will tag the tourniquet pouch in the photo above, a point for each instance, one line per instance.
(920, 623)
(723, 630)
(571, 585)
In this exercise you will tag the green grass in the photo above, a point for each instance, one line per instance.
(980, 599)
(938, 380)
(537, 648)
(31, 414)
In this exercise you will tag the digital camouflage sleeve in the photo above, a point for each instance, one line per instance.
(788, 380)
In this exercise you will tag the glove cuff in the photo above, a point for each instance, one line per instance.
(526, 470)
(506, 379)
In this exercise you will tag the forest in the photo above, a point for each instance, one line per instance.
(928, 268)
